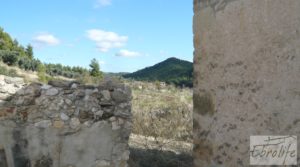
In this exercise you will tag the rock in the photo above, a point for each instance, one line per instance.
(106, 94)
(46, 87)
(121, 121)
(2, 102)
(52, 92)
(74, 86)
(102, 163)
(88, 123)
(68, 102)
(125, 155)
(58, 124)
(74, 123)
(112, 119)
(119, 96)
(99, 113)
(61, 84)
(64, 117)
(43, 124)
(14, 80)
(89, 91)
(115, 125)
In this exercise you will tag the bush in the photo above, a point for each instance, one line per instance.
(8, 72)
(86, 78)
(9, 57)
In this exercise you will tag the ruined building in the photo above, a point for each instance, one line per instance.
(63, 124)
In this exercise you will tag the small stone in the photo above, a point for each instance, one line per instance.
(88, 123)
(86, 98)
(95, 90)
(2, 102)
(102, 163)
(99, 113)
(74, 86)
(64, 117)
(115, 126)
(68, 91)
(62, 84)
(94, 109)
(125, 155)
(68, 101)
(60, 102)
(46, 87)
(127, 125)
(106, 94)
(112, 119)
(58, 124)
(74, 123)
(43, 124)
(121, 121)
(52, 92)
(88, 91)
(19, 101)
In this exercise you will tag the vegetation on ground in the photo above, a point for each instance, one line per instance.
(162, 125)
(8, 72)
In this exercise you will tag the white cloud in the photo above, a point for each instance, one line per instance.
(106, 40)
(46, 39)
(101, 62)
(127, 53)
(100, 3)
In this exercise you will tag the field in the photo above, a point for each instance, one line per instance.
(162, 125)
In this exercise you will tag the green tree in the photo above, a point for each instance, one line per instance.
(9, 57)
(95, 69)
(29, 51)
(42, 72)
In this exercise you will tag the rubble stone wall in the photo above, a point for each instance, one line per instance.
(246, 76)
(64, 124)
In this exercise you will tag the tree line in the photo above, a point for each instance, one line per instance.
(14, 54)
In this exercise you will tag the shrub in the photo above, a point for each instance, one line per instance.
(9, 57)
(8, 72)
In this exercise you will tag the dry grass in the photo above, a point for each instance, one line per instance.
(164, 112)
(162, 125)
(28, 76)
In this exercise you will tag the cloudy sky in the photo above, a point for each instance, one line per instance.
(123, 35)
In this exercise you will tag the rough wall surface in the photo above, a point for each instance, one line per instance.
(65, 124)
(246, 76)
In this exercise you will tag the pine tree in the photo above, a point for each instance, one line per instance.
(95, 69)
(29, 51)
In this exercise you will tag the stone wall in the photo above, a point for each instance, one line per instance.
(64, 124)
(246, 76)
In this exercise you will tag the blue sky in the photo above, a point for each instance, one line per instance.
(123, 35)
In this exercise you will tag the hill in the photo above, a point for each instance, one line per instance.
(172, 70)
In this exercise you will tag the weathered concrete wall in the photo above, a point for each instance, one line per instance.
(65, 124)
(246, 76)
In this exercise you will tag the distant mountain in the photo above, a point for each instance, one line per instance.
(172, 70)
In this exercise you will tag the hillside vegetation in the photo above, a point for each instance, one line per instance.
(172, 70)
(14, 54)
